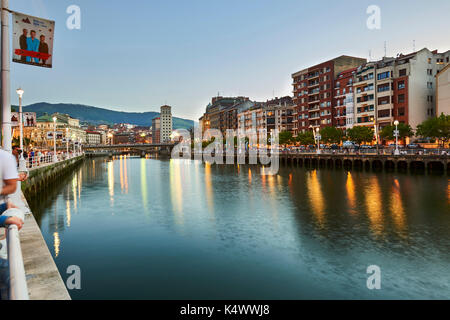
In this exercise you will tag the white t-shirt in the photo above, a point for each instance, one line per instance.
(8, 170)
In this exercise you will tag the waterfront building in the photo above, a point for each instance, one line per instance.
(343, 108)
(44, 126)
(156, 130)
(401, 88)
(93, 137)
(314, 92)
(279, 114)
(124, 138)
(443, 91)
(166, 124)
(222, 113)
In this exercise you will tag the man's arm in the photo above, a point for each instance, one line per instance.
(9, 187)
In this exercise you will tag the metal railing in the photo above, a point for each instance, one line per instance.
(18, 289)
(39, 161)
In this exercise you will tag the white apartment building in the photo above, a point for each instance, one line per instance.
(443, 91)
(166, 124)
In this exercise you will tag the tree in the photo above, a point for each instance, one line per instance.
(405, 131)
(306, 138)
(331, 135)
(435, 128)
(360, 134)
(285, 137)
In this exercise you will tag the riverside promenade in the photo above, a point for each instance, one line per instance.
(44, 282)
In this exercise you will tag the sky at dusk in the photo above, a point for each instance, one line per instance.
(137, 55)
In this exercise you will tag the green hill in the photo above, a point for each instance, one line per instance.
(97, 116)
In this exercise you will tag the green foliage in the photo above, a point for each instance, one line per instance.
(331, 135)
(285, 137)
(405, 130)
(360, 134)
(435, 128)
(305, 138)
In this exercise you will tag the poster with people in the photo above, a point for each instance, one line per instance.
(33, 40)
(29, 119)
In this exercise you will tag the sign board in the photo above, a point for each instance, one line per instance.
(29, 119)
(32, 40)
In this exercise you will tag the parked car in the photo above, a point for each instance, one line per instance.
(349, 145)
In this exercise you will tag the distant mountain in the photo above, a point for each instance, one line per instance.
(97, 116)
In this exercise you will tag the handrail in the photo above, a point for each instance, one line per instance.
(18, 289)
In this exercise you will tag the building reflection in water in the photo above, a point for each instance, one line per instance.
(209, 189)
(121, 173)
(68, 215)
(316, 198)
(176, 191)
(397, 209)
(351, 194)
(374, 204)
(111, 181)
(125, 167)
(144, 191)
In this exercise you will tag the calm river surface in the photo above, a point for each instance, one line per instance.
(156, 229)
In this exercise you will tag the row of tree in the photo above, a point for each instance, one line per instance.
(437, 129)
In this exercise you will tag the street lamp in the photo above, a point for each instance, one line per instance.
(396, 135)
(22, 162)
(55, 157)
(67, 141)
(318, 137)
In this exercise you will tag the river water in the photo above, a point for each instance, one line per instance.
(176, 229)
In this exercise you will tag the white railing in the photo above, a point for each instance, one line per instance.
(43, 160)
(18, 289)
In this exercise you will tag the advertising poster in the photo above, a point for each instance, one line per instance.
(29, 119)
(32, 40)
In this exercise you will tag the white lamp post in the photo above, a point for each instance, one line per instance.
(55, 157)
(396, 135)
(22, 162)
(67, 142)
(318, 137)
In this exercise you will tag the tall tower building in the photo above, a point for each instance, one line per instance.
(166, 124)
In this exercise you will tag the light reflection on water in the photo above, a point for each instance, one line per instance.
(189, 230)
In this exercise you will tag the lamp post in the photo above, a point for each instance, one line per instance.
(396, 135)
(67, 142)
(22, 162)
(318, 137)
(55, 157)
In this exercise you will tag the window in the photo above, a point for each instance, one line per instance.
(384, 100)
(401, 85)
(401, 98)
(384, 75)
(430, 85)
(384, 87)
(430, 72)
(384, 113)
(401, 111)
(402, 73)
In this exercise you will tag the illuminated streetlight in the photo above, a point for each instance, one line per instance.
(396, 135)
(318, 137)
(55, 157)
(22, 162)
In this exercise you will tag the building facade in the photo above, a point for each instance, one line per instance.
(314, 94)
(156, 130)
(166, 124)
(443, 91)
(93, 138)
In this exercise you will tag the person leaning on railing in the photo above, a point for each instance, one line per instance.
(8, 185)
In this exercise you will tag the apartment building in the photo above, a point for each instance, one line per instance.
(166, 125)
(314, 95)
(343, 111)
(401, 88)
(222, 113)
(274, 114)
(93, 137)
(156, 130)
(443, 91)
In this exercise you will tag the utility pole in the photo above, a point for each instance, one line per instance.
(6, 85)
